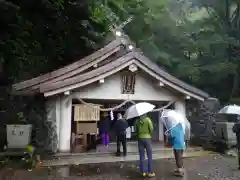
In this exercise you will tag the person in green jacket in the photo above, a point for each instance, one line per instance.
(144, 129)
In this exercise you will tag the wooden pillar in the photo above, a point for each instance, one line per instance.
(84, 141)
(161, 128)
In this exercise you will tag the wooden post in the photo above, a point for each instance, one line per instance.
(73, 142)
(84, 141)
(38, 161)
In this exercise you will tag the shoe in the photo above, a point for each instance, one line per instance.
(179, 173)
(175, 170)
(125, 154)
(143, 174)
(118, 154)
(150, 175)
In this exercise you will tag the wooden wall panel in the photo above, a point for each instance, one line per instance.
(84, 128)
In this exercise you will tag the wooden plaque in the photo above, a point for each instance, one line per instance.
(86, 113)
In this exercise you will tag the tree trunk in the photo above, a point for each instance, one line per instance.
(235, 85)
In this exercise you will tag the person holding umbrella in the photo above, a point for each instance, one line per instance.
(178, 145)
(176, 125)
(234, 110)
(144, 128)
(236, 130)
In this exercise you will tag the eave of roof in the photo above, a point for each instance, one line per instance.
(86, 76)
(117, 65)
(154, 67)
(73, 68)
(71, 75)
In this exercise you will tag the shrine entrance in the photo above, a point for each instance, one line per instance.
(85, 124)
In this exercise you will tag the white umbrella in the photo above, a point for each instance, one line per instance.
(138, 109)
(230, 109)
(172, 118)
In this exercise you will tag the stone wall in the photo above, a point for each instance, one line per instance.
(203, 116)
(51, 143)
(209, 129)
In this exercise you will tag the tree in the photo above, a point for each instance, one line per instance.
(224, 18)
(45, 34)
(197, 42)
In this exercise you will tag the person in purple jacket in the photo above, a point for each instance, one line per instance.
(104, 127)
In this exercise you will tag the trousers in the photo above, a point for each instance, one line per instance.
(105, 139)
(121, 139)
(178, 154)
(238, 150)
(145, 144)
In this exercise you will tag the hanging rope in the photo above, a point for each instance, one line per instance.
(164, 107)
(105, 109)
(120, 105)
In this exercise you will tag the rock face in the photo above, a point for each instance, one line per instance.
(210, 130)
(51, 143)
(204, 120)
(208, 112)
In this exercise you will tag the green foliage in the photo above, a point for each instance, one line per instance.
(21, 117)
(197, 41)
(46, 34)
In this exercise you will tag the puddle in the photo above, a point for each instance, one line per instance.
(118, 171)
(89, 169)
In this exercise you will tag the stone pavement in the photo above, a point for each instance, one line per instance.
(211, 167)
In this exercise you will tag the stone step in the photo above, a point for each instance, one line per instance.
(76, 160)
(103, 154)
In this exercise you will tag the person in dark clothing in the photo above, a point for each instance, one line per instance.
(104, 127)
(120, 129)
(236, 130)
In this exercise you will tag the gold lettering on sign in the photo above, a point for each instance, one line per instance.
(128, 83)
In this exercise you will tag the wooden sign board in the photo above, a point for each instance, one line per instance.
(85, 113)
(84, 128)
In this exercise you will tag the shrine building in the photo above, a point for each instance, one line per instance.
(118, 72)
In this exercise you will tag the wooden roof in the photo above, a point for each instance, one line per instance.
(108, 60)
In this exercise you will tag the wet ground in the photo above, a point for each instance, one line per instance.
(214, 167)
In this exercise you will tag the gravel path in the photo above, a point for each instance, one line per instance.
(214, 167)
